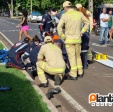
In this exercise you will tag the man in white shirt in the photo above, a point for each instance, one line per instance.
(104, 18)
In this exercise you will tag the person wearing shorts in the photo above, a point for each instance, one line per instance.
(24, 26)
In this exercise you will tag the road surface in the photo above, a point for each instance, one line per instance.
(97, 78)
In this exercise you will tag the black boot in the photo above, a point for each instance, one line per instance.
(52, 91)
(80, 75)
(57, 80)
(71, 78)
(43, 85)
(90, 62)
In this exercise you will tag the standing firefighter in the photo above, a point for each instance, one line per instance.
(50, 60)
(73, 20)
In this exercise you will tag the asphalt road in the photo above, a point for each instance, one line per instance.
(97, 79)
(8, 27)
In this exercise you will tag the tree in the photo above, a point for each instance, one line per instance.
(45, 4)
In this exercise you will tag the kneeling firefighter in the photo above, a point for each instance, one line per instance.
(50, 60)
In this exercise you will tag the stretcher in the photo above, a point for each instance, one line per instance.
(107, 62)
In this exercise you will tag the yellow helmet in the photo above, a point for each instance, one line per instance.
(66, 3)
(47, 39)
(78, 5)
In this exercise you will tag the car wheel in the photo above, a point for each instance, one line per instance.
(38, 21)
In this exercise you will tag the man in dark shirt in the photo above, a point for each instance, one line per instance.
(14, 54)
(46, 24)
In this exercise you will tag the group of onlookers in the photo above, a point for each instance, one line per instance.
(106, 26)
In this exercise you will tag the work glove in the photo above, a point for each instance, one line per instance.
(43, 34)
(54, 30)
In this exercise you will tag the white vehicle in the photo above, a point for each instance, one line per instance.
(35, 17)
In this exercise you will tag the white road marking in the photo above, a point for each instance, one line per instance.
(8, 21)
(16, 30)
(6, 38)
(95, 44)
(69, 98)
(12, 23)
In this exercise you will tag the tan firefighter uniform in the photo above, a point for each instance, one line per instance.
(53, 64)
(89, 53)
(72, 20)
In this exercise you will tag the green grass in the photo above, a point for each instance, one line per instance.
(1, 46)
(23, 97)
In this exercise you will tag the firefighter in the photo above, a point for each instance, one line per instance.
(61, 45)
(50, 60)
(14, 54)
(72, 20)
(89, 53)
(46, 24)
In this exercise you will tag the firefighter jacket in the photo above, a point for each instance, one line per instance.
(72, 20)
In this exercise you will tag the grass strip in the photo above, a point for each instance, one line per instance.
(23, 97)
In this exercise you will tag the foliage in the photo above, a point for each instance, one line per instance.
(45, 4)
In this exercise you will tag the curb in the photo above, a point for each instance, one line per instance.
(48, 102)
(50, 106)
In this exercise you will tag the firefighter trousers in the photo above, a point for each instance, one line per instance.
(44, 67)
(74, 51)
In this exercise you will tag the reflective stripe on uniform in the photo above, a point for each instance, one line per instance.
(90, 54)
(26, 53)
(83, 51)
(80, 66)
(74, 68)
(43, 65)
(63, 36)
(53, 69)
(83, 30)
(67, 46)
(56, 70)
(21, 47)
(73, 41)
(49, 21)
(40, 72)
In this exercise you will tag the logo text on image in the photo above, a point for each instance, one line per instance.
(95, 99)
